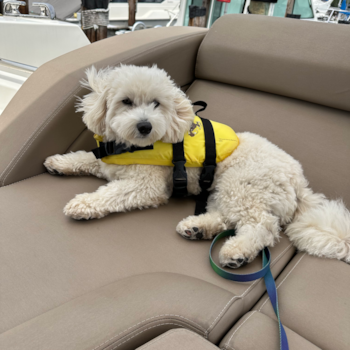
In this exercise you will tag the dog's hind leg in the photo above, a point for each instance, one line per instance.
(204, 226)
(77, 163)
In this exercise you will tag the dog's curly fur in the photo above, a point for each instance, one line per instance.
(257, 190)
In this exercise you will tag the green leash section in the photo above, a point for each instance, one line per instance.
(264, 272)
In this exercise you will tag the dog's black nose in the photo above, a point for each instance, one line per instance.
(144, 128)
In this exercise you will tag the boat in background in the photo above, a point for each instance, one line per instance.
(28, 41)
(150, 12)
(333, 11)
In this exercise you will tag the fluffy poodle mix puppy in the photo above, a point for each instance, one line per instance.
(258, 189)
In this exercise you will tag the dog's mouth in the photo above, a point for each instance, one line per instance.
(140, 132)
(139, 140)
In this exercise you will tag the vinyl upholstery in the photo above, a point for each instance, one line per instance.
(258, 331)
(126, 272)
(122, 281)
(312, 294)
(298, 59)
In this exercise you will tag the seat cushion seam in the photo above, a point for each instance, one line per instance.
(156, 340)
(177, 331)
(228, 343)
(158, 325)
(26, 145)
(232, 300)
(165, 316)
(228, 347)
(27, 178)
(261, 307)
(38, 131)
(198, 53)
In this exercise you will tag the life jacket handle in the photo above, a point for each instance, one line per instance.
(200, 103)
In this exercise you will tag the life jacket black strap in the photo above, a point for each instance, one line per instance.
(111, 148)
(179, 172)
(179, 161)
(207, 176)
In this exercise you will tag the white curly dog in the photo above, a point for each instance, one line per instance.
(257, 190)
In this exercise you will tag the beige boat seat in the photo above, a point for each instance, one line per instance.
(119, 282)
(313, 298)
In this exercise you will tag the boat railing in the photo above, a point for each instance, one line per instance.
(17, 65)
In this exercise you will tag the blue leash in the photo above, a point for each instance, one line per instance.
(264, 272)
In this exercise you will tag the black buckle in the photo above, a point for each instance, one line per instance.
(180, 175)
(207, 176)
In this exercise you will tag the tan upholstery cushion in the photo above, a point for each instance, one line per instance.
(313, 298)
(41, 120)
(256, 331)
(317, 136)
(179, 339)
(125, 279)
(61, 278)
(300, 59)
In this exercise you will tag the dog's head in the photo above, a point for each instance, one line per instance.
(135, 105)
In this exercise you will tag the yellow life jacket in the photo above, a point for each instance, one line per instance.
(226, 142)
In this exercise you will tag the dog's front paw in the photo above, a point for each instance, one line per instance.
(237, 252)
(57, 165)
(83, 207)
(204, 226)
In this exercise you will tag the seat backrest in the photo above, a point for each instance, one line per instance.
(288, 57)
(286, 80)
(41, 121)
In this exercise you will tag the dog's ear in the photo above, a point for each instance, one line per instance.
(181, 118)
(94, 105)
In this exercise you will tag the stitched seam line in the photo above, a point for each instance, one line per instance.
(156, 340)
(13, 183)
(38, 131)
(228, 346)
(158, 325)
(66, 100)
(228, 343)
(148, 319)
(261, 307)
(230, 302)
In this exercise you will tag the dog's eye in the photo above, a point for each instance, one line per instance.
(127, 101)
(156, 103)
